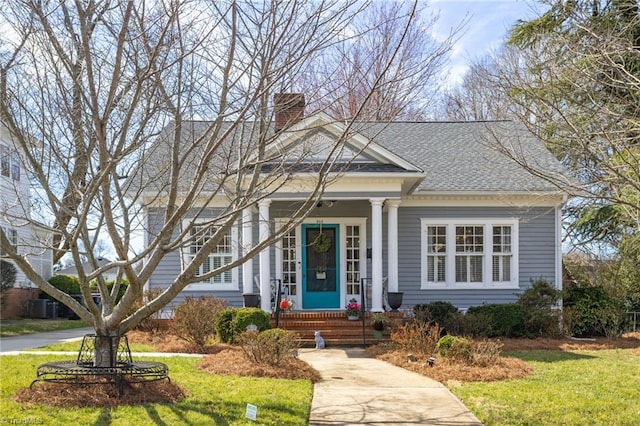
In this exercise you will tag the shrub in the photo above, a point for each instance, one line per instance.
(65, 283)
(270, 347)
(483, 353)
(8, 273)
(504, 319)
(475, 324)
(247, 316)
(442, 313)
(444, 344)
(124, 284)
(417, 336)
(234, 321)
(454, 347)
(486, 352)
(224, 324)
(152, 323)
(194, 319)
(594, 312)
(538, 308)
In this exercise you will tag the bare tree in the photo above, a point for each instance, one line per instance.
(572, 76)
(481, 95)
(112, 91)
(392, 70)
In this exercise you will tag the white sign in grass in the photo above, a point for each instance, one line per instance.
(252, 412)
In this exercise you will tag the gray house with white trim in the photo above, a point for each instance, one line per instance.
(440, 211)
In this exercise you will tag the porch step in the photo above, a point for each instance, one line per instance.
(334, 327)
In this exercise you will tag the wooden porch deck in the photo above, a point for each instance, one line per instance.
(334, 327)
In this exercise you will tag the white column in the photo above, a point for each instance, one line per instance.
(247, 243)
(265, 264)
(392, 243)
(376, 254)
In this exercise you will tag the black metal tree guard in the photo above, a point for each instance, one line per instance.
(86, 369)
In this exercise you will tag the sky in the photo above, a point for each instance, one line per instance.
(488, 24)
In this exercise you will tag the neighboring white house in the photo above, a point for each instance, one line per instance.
(15, 212)
(88, 268)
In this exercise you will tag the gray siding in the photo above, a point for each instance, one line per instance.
(536, 250)
(536, 253)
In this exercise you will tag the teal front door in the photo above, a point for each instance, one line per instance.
(320, 267)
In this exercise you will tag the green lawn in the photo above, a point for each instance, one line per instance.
(74, 346)
(211, 399)
(29, 326)
(566, 388)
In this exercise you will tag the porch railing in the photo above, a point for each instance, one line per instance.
(276, 283)
(365, 304)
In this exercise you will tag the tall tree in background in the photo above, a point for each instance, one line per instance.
(581, 89)
(370, 77)
(91, 90)
(481, 94)
(572, 76)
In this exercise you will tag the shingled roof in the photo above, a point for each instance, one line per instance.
(469, 156)
(465, 157)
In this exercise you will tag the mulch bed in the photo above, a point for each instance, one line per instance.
(628, 341)
(99, 395)
(446, 371)
(232, 360)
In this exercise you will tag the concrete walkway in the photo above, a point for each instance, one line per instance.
(360, 390)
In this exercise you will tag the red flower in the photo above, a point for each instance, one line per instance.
(286, 304)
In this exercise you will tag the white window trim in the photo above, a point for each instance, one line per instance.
(13, 161)
(487, 271)
(235, 252)
(12, 236)
(343, 222)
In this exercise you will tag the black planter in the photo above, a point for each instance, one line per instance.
(251, 300)
(378, 325)
(395, 300)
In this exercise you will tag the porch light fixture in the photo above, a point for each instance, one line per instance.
(327, 203)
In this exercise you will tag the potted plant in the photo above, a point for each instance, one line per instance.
(353, 310)
(321, 273)
(286, 305)
(379, 320)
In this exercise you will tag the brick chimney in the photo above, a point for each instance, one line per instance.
(288, 109)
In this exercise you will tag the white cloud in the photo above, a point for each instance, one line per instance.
(487, 25)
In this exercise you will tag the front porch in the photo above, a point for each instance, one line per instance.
(335, 328)
(325, 276)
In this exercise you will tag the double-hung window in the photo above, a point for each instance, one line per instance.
(436, 253)
(12, 236)
(9, 163)
(502, 256)
(220, 255)
(469, 253)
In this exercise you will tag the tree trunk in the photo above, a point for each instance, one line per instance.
(106, 350)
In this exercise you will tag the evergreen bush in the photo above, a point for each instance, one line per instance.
(504, 319)
(539, 302)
